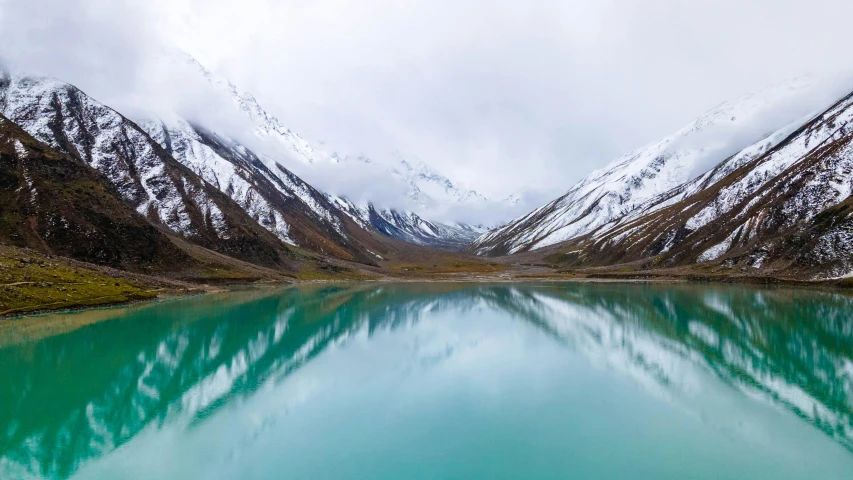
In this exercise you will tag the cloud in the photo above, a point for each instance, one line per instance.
(503, 96)
(99, 45)
(735, 125)
(506, 95)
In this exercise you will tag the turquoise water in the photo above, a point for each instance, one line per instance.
(436, 381)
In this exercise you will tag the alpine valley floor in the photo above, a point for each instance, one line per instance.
(32, 282)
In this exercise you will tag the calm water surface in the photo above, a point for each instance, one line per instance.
(436, 381)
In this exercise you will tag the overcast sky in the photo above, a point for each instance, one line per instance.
(501, 95)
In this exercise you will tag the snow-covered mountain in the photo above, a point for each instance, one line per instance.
(276, 198)
(428, 187)
(780, 205)
(52, 203)
(610, 194)
(424, 189)
(216, 191)
(425, 184)
(145, 176)
(409, 226)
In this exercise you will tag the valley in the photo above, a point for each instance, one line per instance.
(420, 240)
(98, 208)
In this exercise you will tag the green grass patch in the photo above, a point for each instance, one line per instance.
(31, 282)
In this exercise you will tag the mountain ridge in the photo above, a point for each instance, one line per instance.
(280, 201)
(59, 206)
(783, 210)
(146, 177)
(608, 194)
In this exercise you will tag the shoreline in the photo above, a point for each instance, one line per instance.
(524, 278)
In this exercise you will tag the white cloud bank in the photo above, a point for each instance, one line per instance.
(504, 96)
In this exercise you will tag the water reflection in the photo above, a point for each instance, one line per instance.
(73, 397)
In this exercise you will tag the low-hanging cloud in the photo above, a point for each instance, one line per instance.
(743, 122)
(506, 94)
(97, 45)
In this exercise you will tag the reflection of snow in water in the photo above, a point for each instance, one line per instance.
(704, 333)
(610, 333)
(614, 337)
(657, 364)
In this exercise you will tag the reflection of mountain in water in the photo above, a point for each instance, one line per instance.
(792, 348)
(184, 360)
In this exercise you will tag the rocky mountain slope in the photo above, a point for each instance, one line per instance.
(784, 209)
(608, 195)
(57, 205)
(144, 175)
(272, 195)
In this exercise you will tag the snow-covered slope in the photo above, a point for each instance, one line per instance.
(618, 189)
(191, 148)
(144, 174)
(271, 194)
(289, 143)
(428, 187)
(784, 208)
(54, 204)
(409, 226)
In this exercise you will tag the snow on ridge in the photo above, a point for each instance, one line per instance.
(20, 150)
(625, 186)
(407, 225)
(28, 100)
(233, 179)
(718, 250)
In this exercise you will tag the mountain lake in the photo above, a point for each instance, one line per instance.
(436, 381)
